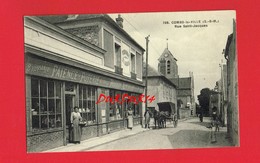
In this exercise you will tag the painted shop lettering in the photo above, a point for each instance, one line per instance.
(121, 99)
(64, 73)
(37, 68)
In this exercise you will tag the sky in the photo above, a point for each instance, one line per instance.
(197, 49)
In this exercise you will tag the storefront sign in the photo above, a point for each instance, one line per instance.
(50, 70)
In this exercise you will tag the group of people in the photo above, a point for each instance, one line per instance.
(75, 132)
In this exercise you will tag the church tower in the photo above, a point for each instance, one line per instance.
(168, 64)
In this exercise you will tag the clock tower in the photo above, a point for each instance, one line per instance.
(168, 64)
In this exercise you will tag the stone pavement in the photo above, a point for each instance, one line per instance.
(93, 142)
(197, 134)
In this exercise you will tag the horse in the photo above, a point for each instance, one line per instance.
(159, 119)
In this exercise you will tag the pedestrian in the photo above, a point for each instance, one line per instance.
(214, 113)
(76, 130)
(201, 117)
(213, 132)
(130, 118)
(147, 116)
(217, 124)
(175, 120)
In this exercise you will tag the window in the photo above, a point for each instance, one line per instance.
(132, 63)
(168, 67)
(118, 55)
(46, 104)
(118, 107)
(136, 106)
(87, 103)
(115, 108)
(139, 65)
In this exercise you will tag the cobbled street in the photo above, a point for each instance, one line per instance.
(189, 134)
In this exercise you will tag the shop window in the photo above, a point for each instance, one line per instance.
(118, 107)
(112, 108)
(135, 107)
(69, 87)
(46, 104)
(87, 103)
(115, 108)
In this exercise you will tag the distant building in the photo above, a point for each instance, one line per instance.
(232, 87)
(168, 64)
(161, 87)
(185, 85)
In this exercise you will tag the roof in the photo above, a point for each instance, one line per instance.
(182, 83)
(152, 72)
(56, 19)
(166, 51)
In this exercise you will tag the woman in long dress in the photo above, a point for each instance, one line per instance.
(130, 118)
(76, 130)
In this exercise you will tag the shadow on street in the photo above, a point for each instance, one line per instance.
(205, 124)
(197, 139)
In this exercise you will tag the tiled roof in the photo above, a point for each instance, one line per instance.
(182, 83)
(152, 72)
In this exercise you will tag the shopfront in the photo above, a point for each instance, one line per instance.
(54, 88)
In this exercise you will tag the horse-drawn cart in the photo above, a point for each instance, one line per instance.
(167, 111)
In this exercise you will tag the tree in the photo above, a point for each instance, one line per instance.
(203, 99)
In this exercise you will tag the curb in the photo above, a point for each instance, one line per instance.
(121, 138)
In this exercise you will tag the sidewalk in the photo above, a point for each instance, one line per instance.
(93, 142)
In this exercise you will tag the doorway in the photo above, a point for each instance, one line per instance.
(69, 105)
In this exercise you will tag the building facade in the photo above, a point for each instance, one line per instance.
(232, 88)
(185, 85)
(162, 88)
(168, 64)
(78, 60)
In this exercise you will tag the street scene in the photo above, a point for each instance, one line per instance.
(132, 81)
(190, 133)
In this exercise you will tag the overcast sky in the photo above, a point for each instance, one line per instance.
(197, 49)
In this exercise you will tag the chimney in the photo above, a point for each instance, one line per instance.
(119, 21)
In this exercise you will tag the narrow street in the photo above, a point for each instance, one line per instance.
(189, 134)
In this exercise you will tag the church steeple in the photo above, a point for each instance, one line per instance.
(168, 64)
(167, 43)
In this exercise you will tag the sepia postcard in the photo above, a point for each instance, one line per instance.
(131, 81)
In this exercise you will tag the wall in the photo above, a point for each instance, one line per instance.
(41, 142)
(162, 91)
(47, 39)
(232, 110)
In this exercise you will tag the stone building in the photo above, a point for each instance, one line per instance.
(162, 88)
(185, 85)
(232, 87)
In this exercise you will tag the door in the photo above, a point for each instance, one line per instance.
(69, 105)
